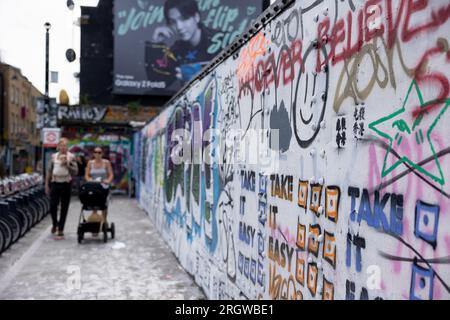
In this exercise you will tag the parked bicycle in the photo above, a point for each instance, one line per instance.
(23, 204)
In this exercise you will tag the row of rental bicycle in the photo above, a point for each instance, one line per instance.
(23, 204)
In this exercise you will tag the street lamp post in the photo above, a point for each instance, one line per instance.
(47, 27)
(70, 4)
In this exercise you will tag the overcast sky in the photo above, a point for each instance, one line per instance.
(22, 41)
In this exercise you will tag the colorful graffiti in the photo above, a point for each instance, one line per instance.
(353, 100)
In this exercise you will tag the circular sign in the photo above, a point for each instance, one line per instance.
(51, 137)
(70, 55)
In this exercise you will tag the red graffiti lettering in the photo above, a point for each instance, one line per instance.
(438, 18)
(370, 26)
(279, 70)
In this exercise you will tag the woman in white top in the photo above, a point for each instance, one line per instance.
(100, 170)
(58, 181)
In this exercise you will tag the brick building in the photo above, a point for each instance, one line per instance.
(20, 140)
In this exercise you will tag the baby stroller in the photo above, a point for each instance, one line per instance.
(94, 196)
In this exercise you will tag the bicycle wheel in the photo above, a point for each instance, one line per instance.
(15, 227)
(41, 209)
(2, 242)
(32, 207)
(7, 234)
(47, 205)
(22, 218)
(26, 220)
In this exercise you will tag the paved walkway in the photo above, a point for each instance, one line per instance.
(137, 264)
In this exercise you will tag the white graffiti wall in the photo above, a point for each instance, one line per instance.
(329, 131)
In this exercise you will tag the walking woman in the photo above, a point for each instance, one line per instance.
(100, 170)
(58, 182)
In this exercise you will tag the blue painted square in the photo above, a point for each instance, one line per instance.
(260, 273)
(241, 263)
(253, 271)
(421, 283)
(426, 222)
(247, 267)
(261, 240)
(262, 212)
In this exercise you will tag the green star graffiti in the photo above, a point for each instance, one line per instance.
(399, 121)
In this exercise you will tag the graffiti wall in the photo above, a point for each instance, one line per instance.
(315, 160)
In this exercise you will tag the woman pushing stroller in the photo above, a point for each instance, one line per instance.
(99, 170)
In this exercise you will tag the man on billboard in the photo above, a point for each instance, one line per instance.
(190, 41)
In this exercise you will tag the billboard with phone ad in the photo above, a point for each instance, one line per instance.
(159, 45)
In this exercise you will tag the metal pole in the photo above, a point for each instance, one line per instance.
(47, 40)
(47, 100)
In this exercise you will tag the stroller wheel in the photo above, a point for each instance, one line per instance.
(105, 233)
(112, 230)
(80, 235)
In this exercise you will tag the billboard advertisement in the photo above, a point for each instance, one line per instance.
(159, 45)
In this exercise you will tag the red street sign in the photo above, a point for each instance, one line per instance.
(50, 137)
